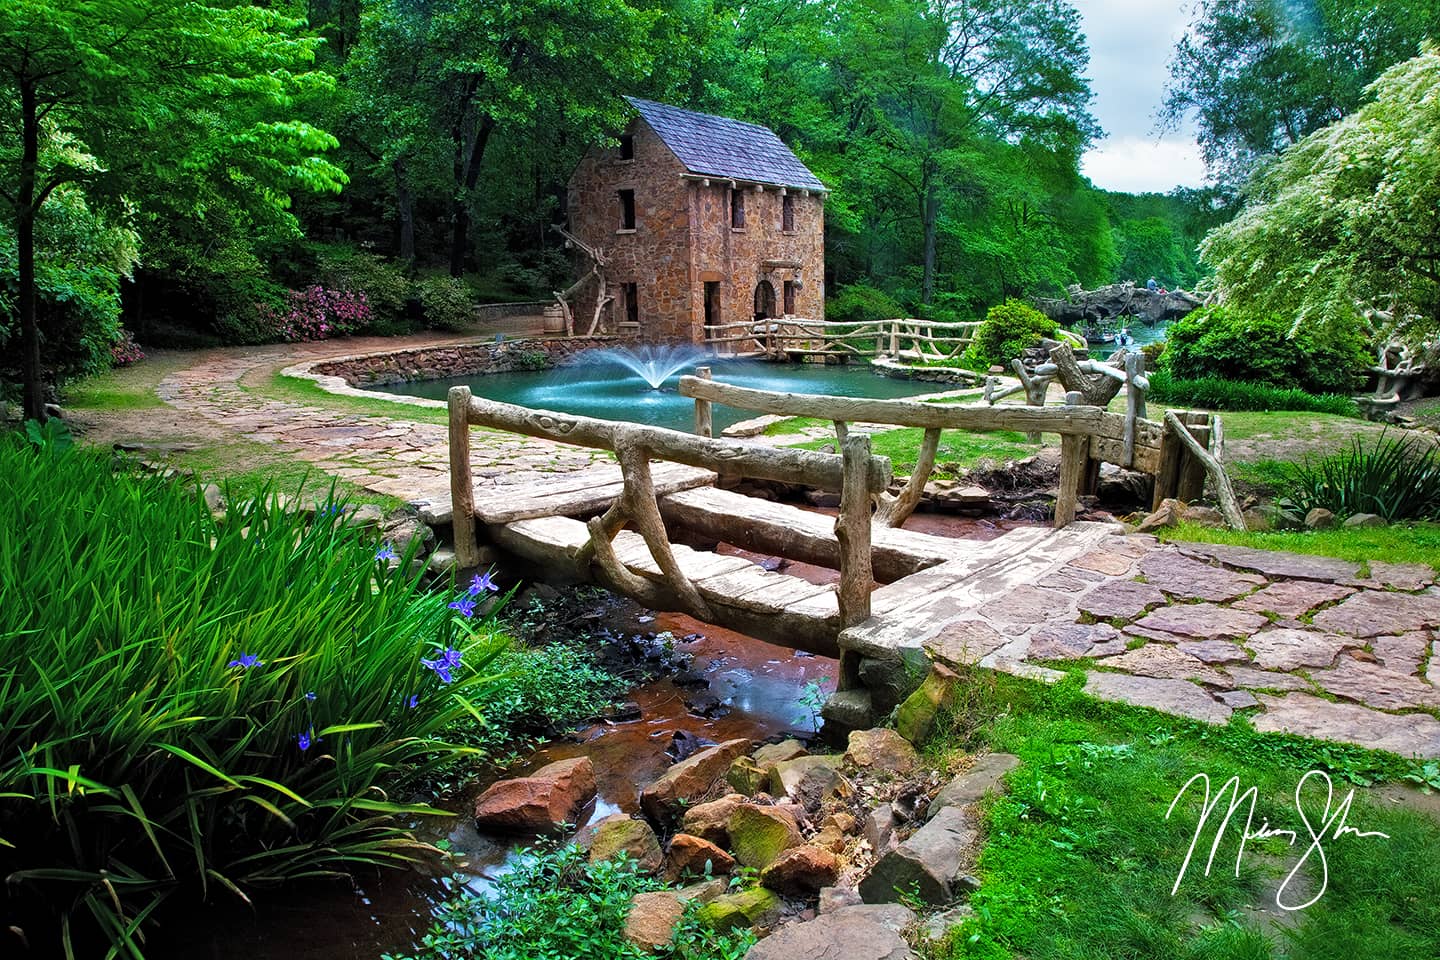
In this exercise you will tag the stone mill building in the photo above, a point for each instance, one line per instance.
(700, 220)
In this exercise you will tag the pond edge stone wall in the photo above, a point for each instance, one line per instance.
(457, 360)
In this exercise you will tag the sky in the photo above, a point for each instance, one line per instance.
(1130, 45)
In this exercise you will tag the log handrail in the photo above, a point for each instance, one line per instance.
(855, 473)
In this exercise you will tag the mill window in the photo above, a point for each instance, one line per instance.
(627, 147)
(787, 213)
(737, 209)
(627, 209)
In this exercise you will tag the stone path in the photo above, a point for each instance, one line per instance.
(1304, 643)
(396, 457)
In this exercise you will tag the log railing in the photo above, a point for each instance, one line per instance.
(1089, 434)
(917, 340)
(855, 473)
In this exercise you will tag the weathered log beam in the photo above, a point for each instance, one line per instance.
(462, 490)
(852, 530)
(1224, 492)
(823, 471)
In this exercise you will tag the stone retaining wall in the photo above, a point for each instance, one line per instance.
(435, 363)
(487, 312)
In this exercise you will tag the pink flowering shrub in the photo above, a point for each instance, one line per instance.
(125, 351)
(315, 313)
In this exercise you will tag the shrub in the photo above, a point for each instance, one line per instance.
(1213, 393)
(1396, 478)
(317, 314)
(383, 285)
(1219, 341)
(556, 905)
(445, 304)
(544, 690)
(196, 707)
(860, 303)
(126, 351)
(1009, 328)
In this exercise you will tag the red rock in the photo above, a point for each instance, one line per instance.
(619, 834)
(689, 855)
(711, 821)
(801, 871)
(882, 752)
(552, 795)
(690, 779)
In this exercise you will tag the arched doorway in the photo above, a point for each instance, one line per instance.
(764, 300)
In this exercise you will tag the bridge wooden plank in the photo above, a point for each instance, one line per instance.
(779, 528)
(584, 492)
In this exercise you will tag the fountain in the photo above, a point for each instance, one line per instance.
(653, 364)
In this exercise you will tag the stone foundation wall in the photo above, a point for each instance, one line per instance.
(487, 312)
(901, 371)
(435, 363)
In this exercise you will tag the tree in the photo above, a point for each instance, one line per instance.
(1259, 75)
(1349, 216)
(161, 93)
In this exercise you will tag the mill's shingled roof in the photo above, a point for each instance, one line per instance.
(720, 147)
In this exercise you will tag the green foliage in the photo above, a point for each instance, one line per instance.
(1009, 328)
(1216, 393)
(556, 905)
(386, 288)
(1082, 850)
(140, 757)
(1348, 216)
(1233, 343)
(860, 302)
(51, 436)
(446, 304)
(1258, 75)
(1397, 542)
(1397, 478)
(958, 449)
(544, 690)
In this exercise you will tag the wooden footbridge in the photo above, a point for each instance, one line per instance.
(620, 525)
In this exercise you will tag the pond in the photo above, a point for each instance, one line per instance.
(607, 388)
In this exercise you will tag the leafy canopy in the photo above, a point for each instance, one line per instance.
(1349, 217)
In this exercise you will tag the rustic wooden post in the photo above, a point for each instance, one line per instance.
(895, 511)
(1134, 403)
(1035, 388)
(895, 339)
(703, 424)
(1167, 473)
(462, 490)
(852, 530)
(1190, 485)
(1224, 492)
(1074, 456)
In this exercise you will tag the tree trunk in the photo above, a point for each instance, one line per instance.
(467, 175)
(930, 214)
(405, 211)
(32, 375)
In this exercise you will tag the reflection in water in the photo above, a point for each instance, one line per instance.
(612, 392)
(388, 912)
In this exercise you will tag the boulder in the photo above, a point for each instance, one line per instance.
(1168, 514)
(809, 781)
(864, 932)
(552, 795)
(929, 863)
(916, 716)
(758, 835)
(746, 776)
(756, 907)
(831, 899)
(773, 753)
(690, 855)
(982, 777)
(619, 834)
(650, 924)
(879, 828)
(711, 821)
(835, 832)
(1319, 519)
(690, 779)
(849, 709)
(882, 752)
(801, 871)
(367, 515)
(1204, 516)
(890, 681)
(1364, 520)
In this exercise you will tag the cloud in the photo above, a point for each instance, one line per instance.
(1144, 164)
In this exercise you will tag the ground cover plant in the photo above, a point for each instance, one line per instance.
(1394, 477)
(558, 906)
(202, 708)
(958, 449)
(1080, 859)
(1396, 542)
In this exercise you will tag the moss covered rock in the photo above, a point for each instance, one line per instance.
(758, 835)
(747, 908)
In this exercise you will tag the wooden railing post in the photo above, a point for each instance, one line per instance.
(462, 489)
(852, 530)
(895, 339)
(1074, 455)
(704, 426)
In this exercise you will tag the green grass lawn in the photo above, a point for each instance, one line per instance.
(1080, 859)
(276, 386)
(126, 388)
(1396, 543)
(958, 449)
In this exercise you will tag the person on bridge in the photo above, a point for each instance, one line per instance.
(1151, 285)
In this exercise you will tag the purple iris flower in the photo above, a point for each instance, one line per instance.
(310, 695)
(246, 661)
(387, 552)
(414, 701)
(444, 665)
(305, 739)
(465, 605)
(482, 582)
